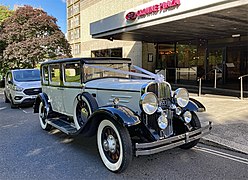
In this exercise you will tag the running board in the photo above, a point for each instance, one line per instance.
(63, 126)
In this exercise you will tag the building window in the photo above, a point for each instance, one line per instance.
(116, 52)
(77, 48)
(76, 8)
(70, 35)
(70, 11)
(77, 33)
(70, 25)
(76, 21)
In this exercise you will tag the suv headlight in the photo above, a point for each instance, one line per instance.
(149, 103)
(17, 88)
(181, 96)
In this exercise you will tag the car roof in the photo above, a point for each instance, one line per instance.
(97, 60)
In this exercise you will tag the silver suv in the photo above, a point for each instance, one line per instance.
(22, 86)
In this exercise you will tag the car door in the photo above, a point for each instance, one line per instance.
(8, 84)
(55, 88)
(72, 85)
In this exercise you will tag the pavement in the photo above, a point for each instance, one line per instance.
(230, 121)
(229, 116)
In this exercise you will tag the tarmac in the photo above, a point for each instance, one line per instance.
(229, 117)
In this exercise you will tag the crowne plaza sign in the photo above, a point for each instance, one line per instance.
(131, 16)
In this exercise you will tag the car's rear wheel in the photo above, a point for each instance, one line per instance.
(195, 124)
(85, 106)
(42, 117)
(114, 145)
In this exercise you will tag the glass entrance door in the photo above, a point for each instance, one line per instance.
(215, 61)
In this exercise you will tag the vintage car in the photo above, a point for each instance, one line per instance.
(130, 110)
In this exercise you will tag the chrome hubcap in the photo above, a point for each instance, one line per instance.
(110, 144)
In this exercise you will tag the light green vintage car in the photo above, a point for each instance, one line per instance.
(130, 110)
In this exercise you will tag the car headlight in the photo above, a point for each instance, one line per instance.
(17, 88)
(149, 103)
(181, 96)
(187, 116)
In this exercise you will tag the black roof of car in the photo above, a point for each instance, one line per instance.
(97, 60)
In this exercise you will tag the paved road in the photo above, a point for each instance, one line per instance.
(27, 152)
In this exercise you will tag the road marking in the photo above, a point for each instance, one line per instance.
(224, 155)
(2, 108)
(24, 111)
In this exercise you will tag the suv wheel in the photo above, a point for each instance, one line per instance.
(12, 105)
(42, 118)
(85, 106)
(114, 145)
(6, 100)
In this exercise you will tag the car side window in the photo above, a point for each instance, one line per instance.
(54, 74)
(45, 74)
(72, 74)
(9, 77)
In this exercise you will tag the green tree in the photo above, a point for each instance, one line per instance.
(31, 36)
(5, 12)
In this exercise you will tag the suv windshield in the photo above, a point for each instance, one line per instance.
(27, 75)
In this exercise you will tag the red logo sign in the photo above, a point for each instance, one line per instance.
(131, 16)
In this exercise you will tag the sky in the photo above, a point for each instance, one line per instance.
(55, 8)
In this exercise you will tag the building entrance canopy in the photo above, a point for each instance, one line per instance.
(176, 20)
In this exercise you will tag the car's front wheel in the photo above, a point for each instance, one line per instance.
(114, 145)
(6, 100)
(12, 104)
(195, 124)
(42, 117)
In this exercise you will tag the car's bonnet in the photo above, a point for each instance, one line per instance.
(29, 84)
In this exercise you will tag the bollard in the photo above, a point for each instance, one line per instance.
(215, 78)
(199, 87)
(241, 88)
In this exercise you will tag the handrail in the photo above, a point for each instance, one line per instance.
(243, 76)
(210, 72)
(215, 78)
(241, 86)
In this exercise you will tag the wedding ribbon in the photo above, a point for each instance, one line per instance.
(159, 78)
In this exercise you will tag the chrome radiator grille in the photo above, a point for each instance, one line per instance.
(162, 90)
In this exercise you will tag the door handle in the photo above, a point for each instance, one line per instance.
(60, 88)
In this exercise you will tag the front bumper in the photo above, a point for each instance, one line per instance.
(169, 143)
(22, 98)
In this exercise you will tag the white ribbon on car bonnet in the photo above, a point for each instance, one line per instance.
(159, 78)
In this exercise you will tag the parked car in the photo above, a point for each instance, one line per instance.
(22, 86)
(131, 113)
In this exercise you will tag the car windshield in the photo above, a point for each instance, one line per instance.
(27, 75)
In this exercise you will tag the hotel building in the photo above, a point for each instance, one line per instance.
(183, 39)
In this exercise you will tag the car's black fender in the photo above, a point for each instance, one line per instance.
(195, 106)
(120, 114)
(42, 97)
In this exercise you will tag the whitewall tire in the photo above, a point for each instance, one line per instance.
(83, 108)
(114, 145)
(42, 117)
